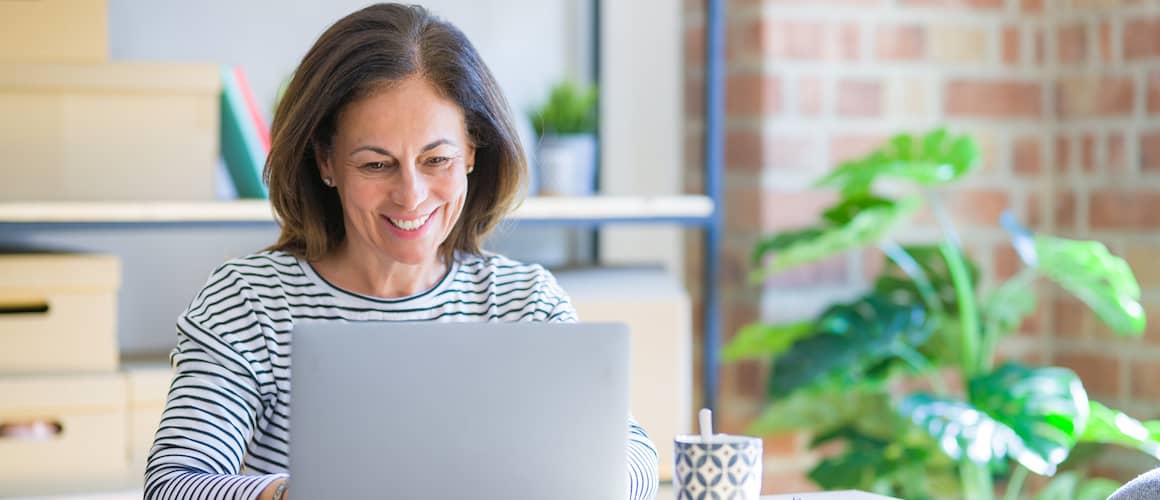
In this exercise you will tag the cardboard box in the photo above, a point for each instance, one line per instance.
(63, 31)
(58, 313)
(656, 309)
(148, 383)
(84, 451)
(108, 132)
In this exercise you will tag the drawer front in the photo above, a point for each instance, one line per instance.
(58, 333)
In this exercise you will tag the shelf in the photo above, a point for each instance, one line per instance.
(690, 209)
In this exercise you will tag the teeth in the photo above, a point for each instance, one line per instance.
(409, 225)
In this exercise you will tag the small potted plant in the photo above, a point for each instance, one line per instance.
(566, 150)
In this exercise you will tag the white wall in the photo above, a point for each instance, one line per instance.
(641, 120)
(528, 44)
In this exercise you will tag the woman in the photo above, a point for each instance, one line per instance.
(392, 156)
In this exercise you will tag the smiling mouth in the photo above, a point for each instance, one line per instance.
(410, 224)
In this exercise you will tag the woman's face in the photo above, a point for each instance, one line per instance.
(399, 160)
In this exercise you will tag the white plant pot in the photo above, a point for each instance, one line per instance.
(566, 165)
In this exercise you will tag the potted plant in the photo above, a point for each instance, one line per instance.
(839, 376)
(566, 150)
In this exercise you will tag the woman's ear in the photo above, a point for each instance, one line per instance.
(322, 159)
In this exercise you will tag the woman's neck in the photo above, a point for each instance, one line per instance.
(374, 274)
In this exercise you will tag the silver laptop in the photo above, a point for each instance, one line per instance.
(459, 410)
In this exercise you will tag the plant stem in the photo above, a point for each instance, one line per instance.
(976, 480)
(964, 292)
(1015, 485)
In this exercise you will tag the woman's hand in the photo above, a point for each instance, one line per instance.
(268, 493)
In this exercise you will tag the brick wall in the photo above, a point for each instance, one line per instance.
(1064, 97)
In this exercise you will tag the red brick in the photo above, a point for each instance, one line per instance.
(848, 147)
(811, 94)
(1034, 212)
(1070, 318)
(750, 210)
(1066, 210)
(849, 42)
(1062, 153)
(1087, 153)
(1150, 151)
(1031, 6)
(1124, 209)
(1154, 92)
(1151, 311)
(791, 39)
(1005, 262)
(786, 444)
(694, 46)
(1100, 373)
(694, 98)
(993, 99)
(1105, 42)
(860, 98)
(1010, 45)
(1026, 157)
(1071, 43)
(978, 206)
(750, 94)
(1117, 153)
(1088, 97)
(1140, 38)
(1142, 258)
(743, 150)
(900, 42)
(1143, 380)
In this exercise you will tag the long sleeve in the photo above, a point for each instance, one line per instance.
(213, 406)
(643, 477)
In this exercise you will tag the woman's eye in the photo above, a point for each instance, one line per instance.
(375, 166)
(438, 161)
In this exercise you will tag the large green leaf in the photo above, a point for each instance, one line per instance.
(1005, 308)
(860, 223)
(961, 428)
(936, 158)
(1047, 407)
(760, 341)
(1032, 415)
(827, 408)
(1101, 280)
(869, 463)
(852, 339)
(1106, 425)
(895, 279)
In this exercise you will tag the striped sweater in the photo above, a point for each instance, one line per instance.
(224, 432)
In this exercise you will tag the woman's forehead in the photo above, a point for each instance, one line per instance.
(409, 113)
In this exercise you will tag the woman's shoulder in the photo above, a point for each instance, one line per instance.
(498, 266)
(503, 270)
(260, 271)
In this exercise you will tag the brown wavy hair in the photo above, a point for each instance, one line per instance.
(358, 55)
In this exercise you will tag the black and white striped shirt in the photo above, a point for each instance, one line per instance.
(224, 433)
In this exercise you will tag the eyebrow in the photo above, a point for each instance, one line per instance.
(384, 152)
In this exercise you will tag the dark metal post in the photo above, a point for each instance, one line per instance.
(714, 165)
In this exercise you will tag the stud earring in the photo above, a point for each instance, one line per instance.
(329, 181)
(470, 168)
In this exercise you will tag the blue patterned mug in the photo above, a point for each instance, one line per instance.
(725, 468)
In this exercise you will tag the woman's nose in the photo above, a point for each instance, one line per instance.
(410, 188)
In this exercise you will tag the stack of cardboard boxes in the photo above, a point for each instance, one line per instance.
(76, 127)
